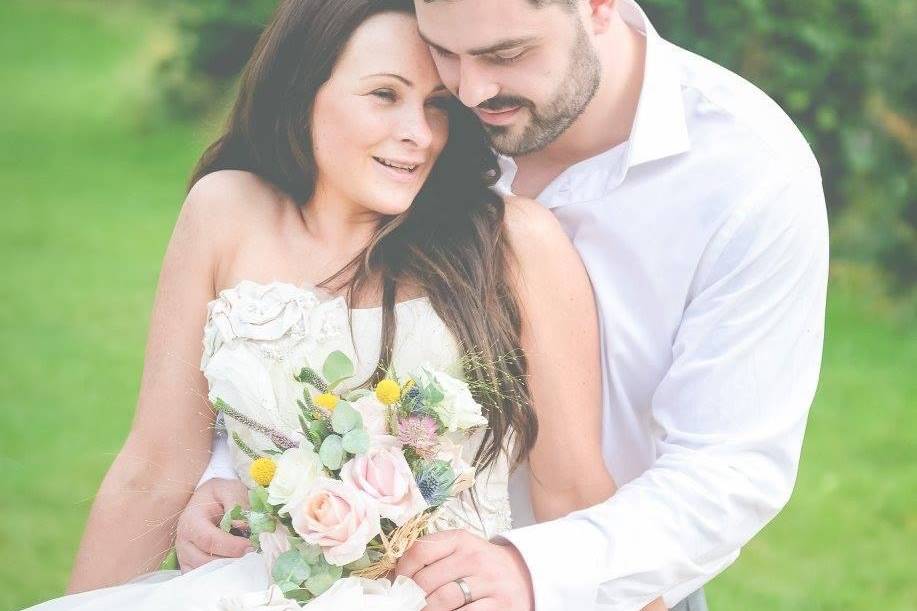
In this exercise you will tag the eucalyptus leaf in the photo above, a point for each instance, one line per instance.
(332, 452)
(356, 441)
(360, 563)
(323, 577)
(287, 586)
(290, 568)
(319, 583)
(301, 595)
(345, 418)
(261, 523)
(337, 367)
(257, 500)
(310, 553)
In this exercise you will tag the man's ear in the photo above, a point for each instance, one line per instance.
(601, 13)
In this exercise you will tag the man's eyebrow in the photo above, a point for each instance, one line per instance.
(502, 45)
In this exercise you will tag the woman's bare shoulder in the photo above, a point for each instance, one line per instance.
(233, 195)
(531, 226)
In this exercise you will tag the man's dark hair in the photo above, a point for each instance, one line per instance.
(537, 3)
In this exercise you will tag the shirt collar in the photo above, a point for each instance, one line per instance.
(659, 130)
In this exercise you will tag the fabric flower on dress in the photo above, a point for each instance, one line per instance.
(270, 312)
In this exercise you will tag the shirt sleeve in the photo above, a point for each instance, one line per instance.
(728, 419)
(220, 465)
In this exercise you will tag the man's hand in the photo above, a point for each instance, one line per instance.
(198, 537)
(496, 575)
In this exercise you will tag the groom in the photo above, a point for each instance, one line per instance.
(698, 210)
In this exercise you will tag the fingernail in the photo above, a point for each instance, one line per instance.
(249, 549)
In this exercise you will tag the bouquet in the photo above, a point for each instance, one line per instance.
(350, 492)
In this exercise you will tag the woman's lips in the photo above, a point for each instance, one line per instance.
(399, 174)
(500, 117)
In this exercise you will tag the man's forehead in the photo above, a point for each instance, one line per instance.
(461, 26)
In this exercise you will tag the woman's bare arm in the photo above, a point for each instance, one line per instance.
(132, 522)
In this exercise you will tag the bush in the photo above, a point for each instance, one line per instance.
(214, 40)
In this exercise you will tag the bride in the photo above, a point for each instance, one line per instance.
(347, 207)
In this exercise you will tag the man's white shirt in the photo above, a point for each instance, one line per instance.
(705, 237)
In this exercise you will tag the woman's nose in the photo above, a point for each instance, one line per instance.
(415, 128)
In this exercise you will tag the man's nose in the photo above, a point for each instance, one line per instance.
(475, 86)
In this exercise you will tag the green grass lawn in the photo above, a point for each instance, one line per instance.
(89, 197)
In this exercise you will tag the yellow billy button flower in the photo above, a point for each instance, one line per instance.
(327, 400)
(388, 391)
(262, 470)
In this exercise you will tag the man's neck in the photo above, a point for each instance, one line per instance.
(607, 120)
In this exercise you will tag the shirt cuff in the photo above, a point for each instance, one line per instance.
(220, 465)
(560, 582)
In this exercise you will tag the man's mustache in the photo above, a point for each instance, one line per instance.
(502, 102)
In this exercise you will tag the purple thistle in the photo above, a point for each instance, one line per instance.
(419, 432)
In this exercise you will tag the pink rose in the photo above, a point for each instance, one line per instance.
(338, 518)
(383, 474)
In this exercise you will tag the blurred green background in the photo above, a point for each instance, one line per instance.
(105, 107)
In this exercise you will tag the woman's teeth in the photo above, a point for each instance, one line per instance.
(395, 165)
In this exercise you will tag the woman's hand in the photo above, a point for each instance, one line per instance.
(198, 538)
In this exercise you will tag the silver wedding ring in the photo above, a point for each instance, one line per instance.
(465, 590)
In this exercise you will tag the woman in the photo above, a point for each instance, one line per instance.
(346, 166)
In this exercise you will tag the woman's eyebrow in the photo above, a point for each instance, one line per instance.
(392, 75)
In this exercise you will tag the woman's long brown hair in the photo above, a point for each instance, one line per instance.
(450, 243)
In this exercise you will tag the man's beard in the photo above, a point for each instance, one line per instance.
(576, 90)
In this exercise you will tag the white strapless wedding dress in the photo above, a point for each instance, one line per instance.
(256, 338)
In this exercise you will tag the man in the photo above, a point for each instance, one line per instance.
(698, 210)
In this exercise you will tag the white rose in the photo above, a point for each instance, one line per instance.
(297, 468)
(458, 410)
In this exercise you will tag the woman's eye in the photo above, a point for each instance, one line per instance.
(384, 94)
